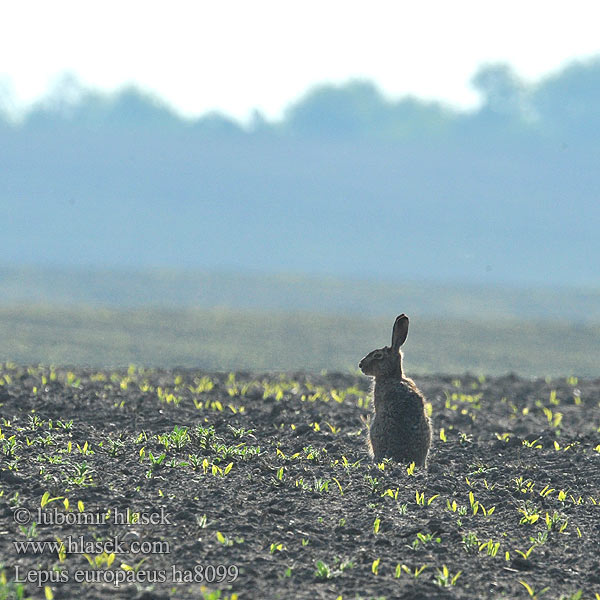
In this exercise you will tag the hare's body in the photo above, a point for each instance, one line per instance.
(400, 428)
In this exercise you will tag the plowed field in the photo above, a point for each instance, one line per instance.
(185, 484)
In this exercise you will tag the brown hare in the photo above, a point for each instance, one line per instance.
(399, 429)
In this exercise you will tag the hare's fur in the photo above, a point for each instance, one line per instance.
(399, 428)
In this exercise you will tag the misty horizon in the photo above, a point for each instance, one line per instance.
(349, 184)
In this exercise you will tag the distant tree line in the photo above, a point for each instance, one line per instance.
(564, 105)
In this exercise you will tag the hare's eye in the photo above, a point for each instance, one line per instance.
(378, 355)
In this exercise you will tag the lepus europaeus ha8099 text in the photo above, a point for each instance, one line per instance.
(399, 428)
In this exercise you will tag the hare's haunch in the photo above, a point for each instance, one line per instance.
(400, 428)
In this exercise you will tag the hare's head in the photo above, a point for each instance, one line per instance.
(387, 361)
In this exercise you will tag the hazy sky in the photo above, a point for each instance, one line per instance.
(234, 56)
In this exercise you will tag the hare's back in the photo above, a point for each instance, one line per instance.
(399, 397)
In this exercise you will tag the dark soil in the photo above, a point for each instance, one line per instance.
(270, 486)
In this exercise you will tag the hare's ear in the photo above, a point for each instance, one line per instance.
(400, 332)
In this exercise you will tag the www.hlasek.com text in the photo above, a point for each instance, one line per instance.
(79, 545)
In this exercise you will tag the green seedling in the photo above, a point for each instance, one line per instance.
(540, 539)
(46, 499)
(240, 432)
(424, 539)
(554, 419)
(413, 573)
(373, 483)
(391, 493)
(83, 475)
(525, 554)
(532, 444)
(35, 422)
(420, 498)
(323, 570)
(470, 542)
(375, 566)
(202, 385)
(444, 578)
(376, 525)
(490, 547)
(223, 539)
(202, 521)
(532, 593)
(85, 449)
(546, 491)
(529, 516)
(135, 568)
(156, 461)
(100, 561)
(11, 590)
(29, 532)
(115, 447)
(167, 397)
(176, 439)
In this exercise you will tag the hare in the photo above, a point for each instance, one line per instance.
(399, 429)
